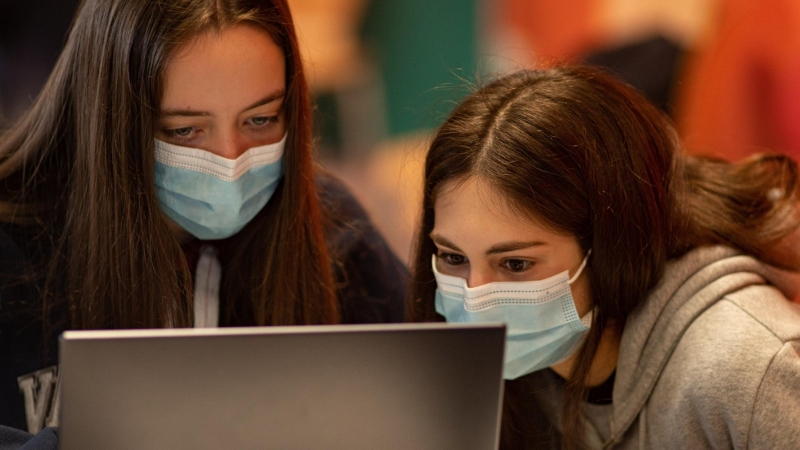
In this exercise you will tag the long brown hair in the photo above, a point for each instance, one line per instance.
(80, 166)
(586, 155)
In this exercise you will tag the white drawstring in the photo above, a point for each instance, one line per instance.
(206, 289)
(642, 425)
(580, 269)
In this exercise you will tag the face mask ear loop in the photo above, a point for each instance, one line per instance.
(580, 269)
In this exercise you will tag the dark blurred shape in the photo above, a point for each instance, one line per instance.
(32, 34)
(652, 66)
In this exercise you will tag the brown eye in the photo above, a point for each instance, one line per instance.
(453, 259)
(516, 265)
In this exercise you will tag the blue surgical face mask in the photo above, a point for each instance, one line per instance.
(542, 325)
(213, 197)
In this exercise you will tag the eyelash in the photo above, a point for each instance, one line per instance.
(527, 265)
(268, 120)
(447, 258)
(174, 132)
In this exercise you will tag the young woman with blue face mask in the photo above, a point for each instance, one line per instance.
(164, 178)
(644, 291)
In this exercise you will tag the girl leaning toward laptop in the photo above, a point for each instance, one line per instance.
(644, 291)
(164, 178)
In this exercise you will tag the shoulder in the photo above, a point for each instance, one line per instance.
(15, 269)
(23, 250)
(744, 330)
(340, 208)
(731, 362)
(10, 249)
(21, 344)
(733, 342)
(347, 225)
(776, 405)
(767, 307)
(371, 280)
(22, 245)
(22, 257)
(332, 190)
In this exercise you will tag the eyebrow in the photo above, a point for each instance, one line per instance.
(278, 95)
(503, 247)
(506, 247)
(444, 242)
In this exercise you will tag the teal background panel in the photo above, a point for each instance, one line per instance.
(426, 51)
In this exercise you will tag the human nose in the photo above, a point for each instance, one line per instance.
(231, 146)
(478, 278)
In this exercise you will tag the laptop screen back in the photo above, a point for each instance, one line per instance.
(413, 386)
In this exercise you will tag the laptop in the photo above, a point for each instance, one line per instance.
(404, 386)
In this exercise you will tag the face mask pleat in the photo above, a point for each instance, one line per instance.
(193, 190)
(542, 323)
(553, 353)
(211, 164)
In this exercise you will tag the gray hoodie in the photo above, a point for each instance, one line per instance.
(710, 360)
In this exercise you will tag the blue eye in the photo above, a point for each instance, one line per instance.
(184, 132)
(517, 265)
(262, 121)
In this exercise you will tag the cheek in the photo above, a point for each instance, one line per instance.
(281, 125)
(461, 270)
(582, 295)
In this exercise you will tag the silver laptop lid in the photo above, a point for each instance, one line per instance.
(407, 386)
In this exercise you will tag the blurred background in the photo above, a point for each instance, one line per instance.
(385, 73)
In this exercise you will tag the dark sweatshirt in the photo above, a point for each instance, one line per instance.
(370, 287)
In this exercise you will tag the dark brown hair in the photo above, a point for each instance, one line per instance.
(588, 156)
(80, 166)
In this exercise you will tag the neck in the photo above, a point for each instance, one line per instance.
(604, 362)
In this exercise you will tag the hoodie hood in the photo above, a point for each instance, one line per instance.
(688, 287)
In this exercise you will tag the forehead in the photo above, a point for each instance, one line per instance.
(228, 68)
(472, 213)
